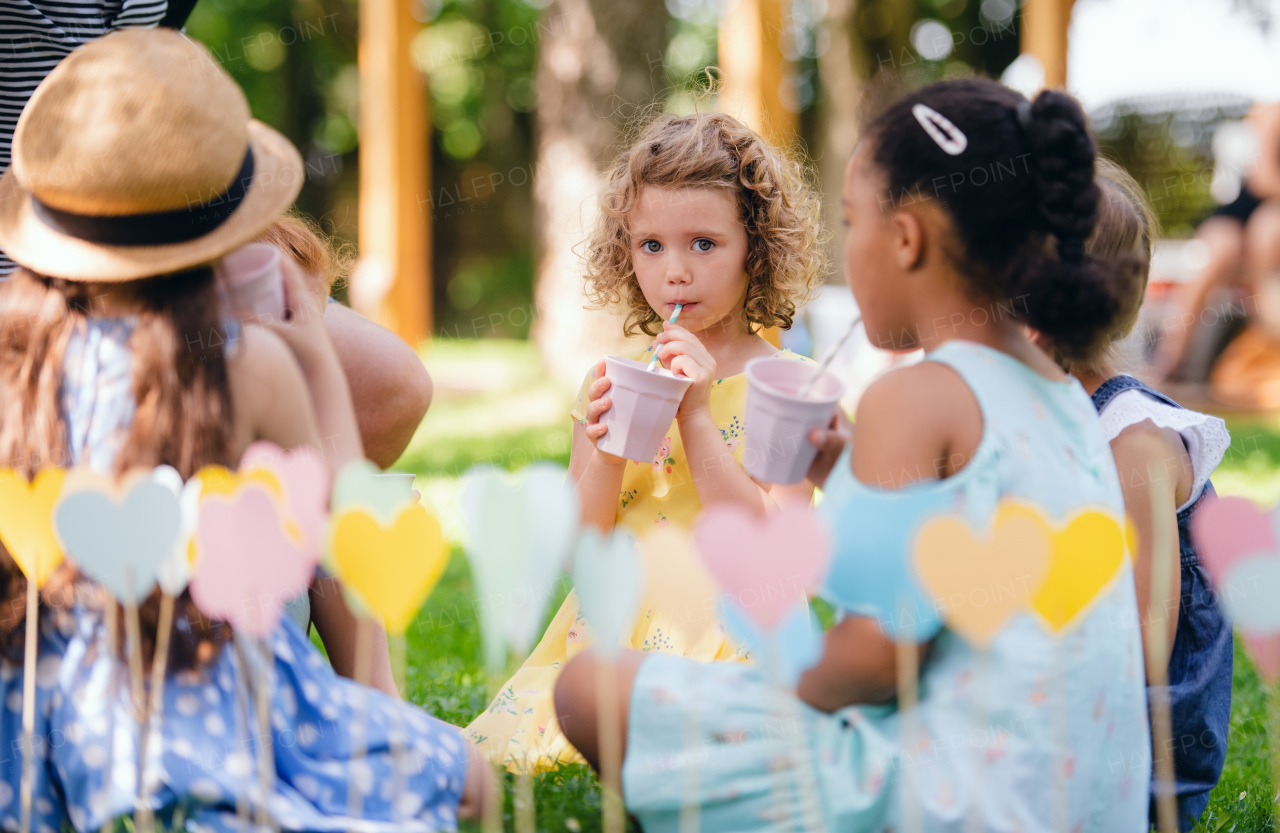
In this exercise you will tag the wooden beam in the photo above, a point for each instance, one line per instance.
(1044, 35)
(755, 70)
(395, 235)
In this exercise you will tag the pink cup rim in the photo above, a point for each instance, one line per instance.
(760, 361)
(630, 365)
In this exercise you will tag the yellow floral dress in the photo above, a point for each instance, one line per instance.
(519, 727)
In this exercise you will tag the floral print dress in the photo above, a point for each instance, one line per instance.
(519, 728)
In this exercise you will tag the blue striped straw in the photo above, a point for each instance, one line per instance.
(675, 315)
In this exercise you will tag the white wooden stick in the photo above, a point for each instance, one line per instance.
(1162, 572)
(609, 742)
(155, 706)
(29, 701)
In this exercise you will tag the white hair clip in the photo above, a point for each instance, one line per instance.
(940, 129)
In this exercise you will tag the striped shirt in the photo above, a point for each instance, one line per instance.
(35, 35)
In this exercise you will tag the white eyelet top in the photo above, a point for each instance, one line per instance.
(1205, 437)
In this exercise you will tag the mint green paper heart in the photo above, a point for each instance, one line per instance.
(610, 583)
(520, 529)
(358, 486)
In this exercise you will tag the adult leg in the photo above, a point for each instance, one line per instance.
(577, 700)
(1181, 354)
(1262, 243)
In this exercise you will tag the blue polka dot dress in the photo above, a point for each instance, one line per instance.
(338, 756)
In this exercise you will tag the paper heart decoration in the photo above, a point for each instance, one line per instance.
(392, 568)
(520, 532)
(249, 567)
(305, 477)
(26, 521)
(610, 584)
(681, 590)
(1087, 555)
(980, 582)
(220, 480)
(1228, 529)
(119, 535)
(767, 564)
(1264, 650)
(359, 485)
(872, 570)
(1237, 544)
(1249, 591)
(175, 571)
(786, 651)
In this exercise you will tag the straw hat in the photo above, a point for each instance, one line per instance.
(137, 157)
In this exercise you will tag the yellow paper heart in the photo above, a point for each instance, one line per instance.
(392, 569)
(220, 480)
(26, 520)
(1086, 557)
(978, 583)
(680, 589)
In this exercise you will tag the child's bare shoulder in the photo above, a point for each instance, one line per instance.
(918, 414)
(924, 391)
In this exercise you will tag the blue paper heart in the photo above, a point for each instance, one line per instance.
(120, 544)
(785, 652)
(871, 571)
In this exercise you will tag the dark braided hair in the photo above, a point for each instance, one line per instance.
(1023, 201)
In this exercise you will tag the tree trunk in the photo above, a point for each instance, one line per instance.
(600, 70)
(839, 120)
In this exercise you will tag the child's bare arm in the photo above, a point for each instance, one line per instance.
(305, 334)
(1143, 450)
(716, 473)
(859, 665)
(597, 475)
(911, 422)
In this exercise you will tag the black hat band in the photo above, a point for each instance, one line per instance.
(156, 229)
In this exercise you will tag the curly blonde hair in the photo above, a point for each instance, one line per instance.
(776, 203)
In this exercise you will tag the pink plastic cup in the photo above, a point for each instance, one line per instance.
(252, 283)
(644, 405)
(778, 420)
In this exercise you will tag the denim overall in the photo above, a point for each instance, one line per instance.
(1200, 665)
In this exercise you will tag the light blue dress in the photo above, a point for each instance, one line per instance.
(1035, 734)
(204, 754)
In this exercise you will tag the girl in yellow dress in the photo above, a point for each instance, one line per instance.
(703, 213)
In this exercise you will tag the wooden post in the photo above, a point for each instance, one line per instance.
(1044, 35)
(395, 235)
(755, 69)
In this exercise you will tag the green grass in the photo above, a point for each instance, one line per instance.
(494, 406)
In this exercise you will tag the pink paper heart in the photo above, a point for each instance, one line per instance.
(768, 564)
(1229, 529)
(305, 477)
(1264, 650)
(248, 566)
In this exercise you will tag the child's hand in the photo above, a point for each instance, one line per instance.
(830, 442)
(682, 353)
(303, 325)
(597, 403)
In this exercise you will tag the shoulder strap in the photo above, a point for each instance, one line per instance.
(1117, 385)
